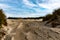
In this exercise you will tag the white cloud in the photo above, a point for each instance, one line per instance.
(53, 4)
(26, 2)
(48, 4)
(7, 9)
(9, 15)
(4, 6)
(5, 0)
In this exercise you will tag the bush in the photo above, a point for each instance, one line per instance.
(2, 18)
(57, 12)
(47, 17)
(53, 18)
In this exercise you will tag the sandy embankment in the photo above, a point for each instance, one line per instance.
(32, 30)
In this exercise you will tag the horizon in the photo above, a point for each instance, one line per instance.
(28, 8)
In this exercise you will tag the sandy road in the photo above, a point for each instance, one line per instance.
(32, 30)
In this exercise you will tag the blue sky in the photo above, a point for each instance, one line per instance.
(28, 8)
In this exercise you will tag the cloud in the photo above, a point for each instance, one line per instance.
(9, 10)
(26, 2)
(53, 4)
(28, 8)
(4, 6)
(47, 4)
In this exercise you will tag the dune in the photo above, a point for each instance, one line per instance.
(20, 29)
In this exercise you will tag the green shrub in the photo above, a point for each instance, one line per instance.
(47, 17)
(2, 18)
(56, 12)
(53, 18)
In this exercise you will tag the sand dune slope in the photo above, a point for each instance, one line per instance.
(32, 30)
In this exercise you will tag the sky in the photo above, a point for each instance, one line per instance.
(28, 8)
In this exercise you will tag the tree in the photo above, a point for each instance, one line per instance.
(47, 17)
(53, 19)
(56, 12)
(2, 18)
